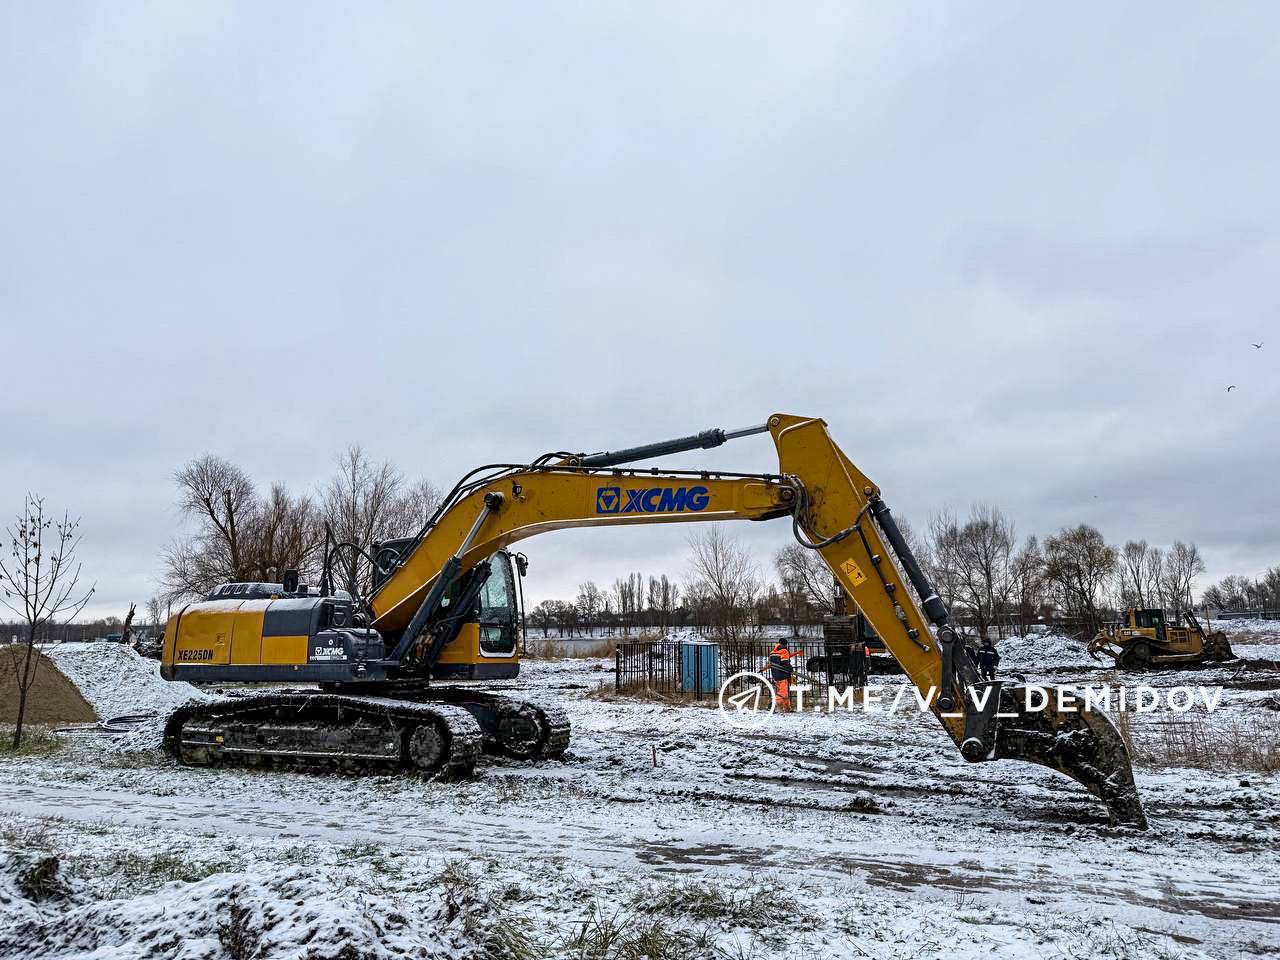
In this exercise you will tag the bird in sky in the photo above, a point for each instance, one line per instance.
(1230, 388)
(1256, 346)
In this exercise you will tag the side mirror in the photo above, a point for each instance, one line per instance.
(290, 581)
(522, 564)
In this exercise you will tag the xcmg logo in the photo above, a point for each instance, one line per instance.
(652, 500)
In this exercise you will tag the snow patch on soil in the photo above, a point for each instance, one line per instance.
(116, 681)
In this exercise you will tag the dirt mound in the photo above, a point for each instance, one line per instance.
(117, 681)
(1042, 651)
(52, 699)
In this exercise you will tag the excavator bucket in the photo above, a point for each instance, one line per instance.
(1083, 744)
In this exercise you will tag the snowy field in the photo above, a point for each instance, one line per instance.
(851, 835)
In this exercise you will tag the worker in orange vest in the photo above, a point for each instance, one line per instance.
(781, 672)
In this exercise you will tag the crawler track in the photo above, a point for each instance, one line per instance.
(354, 732)
(515, 728)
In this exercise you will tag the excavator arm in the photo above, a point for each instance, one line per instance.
(834, 508)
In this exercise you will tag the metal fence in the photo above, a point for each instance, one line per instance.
(1258, 613)
(697, 670)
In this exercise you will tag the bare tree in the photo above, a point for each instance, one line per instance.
(1079, 564)
(664, 598)
(696, 604)
(793, 601)
(40, 582)
(1230, 593)
(543, 615)
(628, 595)
(1237, 593)
(554, 613)
(973, 561)
(416, 504)
(1182, 564)
(1139, 574)
(1258, 594)
(221, 498)
(1271, 584)
(590, 605)
(357, 505)
(1027, 582)
(566, 617)
(240, 535)
(366, 503)
(285, 536)
(804, 573)
(943, 574)
(155, 613)
(729, 573)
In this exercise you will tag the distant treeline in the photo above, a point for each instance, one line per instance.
(994, 583)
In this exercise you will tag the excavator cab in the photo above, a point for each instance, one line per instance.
(487, 646)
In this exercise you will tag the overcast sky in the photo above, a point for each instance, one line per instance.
(1010, 252)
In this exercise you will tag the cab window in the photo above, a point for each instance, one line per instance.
(498, 595)
(497, 616)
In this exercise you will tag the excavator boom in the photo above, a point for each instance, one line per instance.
(834, 508)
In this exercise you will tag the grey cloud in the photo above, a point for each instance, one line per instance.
(1011, 253)
(1052, 267)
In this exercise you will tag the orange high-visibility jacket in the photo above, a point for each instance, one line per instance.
(780, 663)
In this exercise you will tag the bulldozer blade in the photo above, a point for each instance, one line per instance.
(1083, 744)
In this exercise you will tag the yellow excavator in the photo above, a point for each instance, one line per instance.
(440, 608)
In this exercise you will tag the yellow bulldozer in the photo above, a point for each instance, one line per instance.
(1145, 640)
(396, 674)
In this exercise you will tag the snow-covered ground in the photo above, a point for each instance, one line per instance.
(1037, 652)
(1249, 625)
(846, 835)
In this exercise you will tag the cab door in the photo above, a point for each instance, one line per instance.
(498, 616)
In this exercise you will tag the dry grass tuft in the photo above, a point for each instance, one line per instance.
(498, 932)
(37, 741)
(616, 934)
(1239, 741)
(1103, 940)
(39, 880)
(552, 649)
(239, 936)
(751, 907)
(608, 693)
